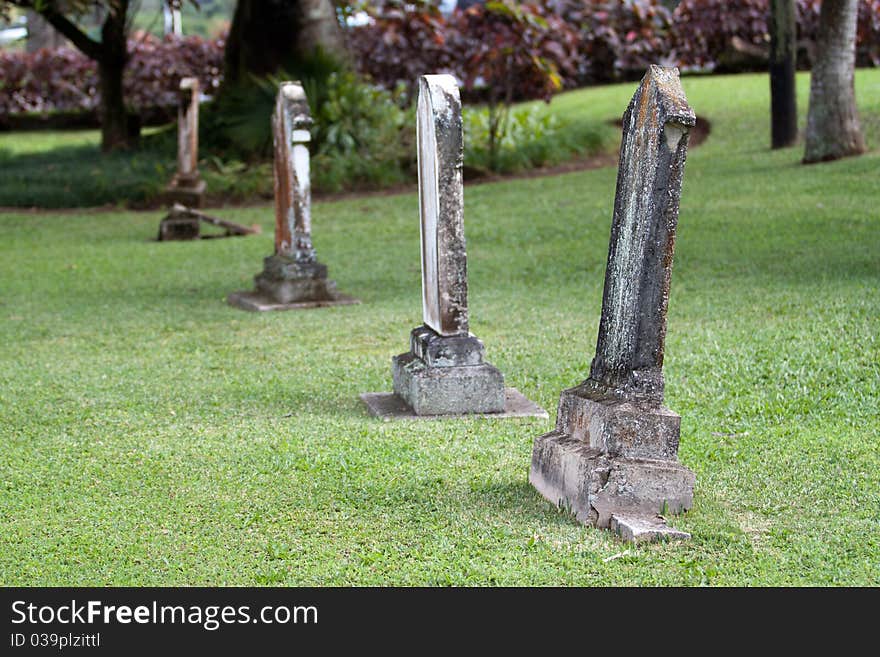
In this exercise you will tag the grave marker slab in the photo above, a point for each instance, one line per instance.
(292, 277)
(614, 451)
(444, 373)
(187, 186)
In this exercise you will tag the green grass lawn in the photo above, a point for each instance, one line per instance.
(154, 435)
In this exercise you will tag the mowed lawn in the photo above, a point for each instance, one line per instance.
(153, 435)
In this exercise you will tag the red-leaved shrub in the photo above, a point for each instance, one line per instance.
(703, 30)
(619, 39)
(525, 50)
(65, 80)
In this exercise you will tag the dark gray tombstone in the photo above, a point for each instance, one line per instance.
(444, 372)
(292, 277)
(612, 459)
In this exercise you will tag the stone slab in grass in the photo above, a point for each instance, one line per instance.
(388, 406)
(634, 529)
(256, 302)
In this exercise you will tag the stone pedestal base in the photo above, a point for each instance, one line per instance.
(443, 376)
(447, 390)
(645, 530)
(446, 375)
(190, 193)
(608, 458)
(285, 284)
(388, 406)
(178, 226)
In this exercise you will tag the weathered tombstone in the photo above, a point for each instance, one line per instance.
(444, 372)
(187, 187)
(292, 277)
(612, 459)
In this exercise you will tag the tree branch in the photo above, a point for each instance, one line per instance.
(89, 47)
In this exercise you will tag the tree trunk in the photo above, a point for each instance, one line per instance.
(111, 55)
(783, 60)
(320, 29)
(267, 36)
(115, 133)
(833, 129)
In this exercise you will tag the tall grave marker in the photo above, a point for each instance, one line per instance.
(187, 187)
(444, 372)
(292, 277)
(612, 459)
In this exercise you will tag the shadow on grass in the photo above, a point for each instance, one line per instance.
(520, 498)
(81, 176)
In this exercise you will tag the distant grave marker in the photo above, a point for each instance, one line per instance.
(292, 277)
(187, 187)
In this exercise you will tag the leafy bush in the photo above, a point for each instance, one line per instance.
(512, 51)
(703, 29)
(507, 52)
(586, 41)
(526, 128)
(619, 39)
(403, 41)
(66, 80)
(237, 125)
(47, 80)
(362, 136)
(523, 49)
(500, 52)
(153, 74)
(534, 138)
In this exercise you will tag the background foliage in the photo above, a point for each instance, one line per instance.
(534, 47)
(67, 80)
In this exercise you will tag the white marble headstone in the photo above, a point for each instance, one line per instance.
(441, 206)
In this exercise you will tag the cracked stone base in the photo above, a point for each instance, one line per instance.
(257, 302)
(303, 290)
(594, 486)
(631, 428)
(388, 406)
(610, 457)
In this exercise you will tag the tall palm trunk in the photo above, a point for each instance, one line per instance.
(783, 59)
(833, 129)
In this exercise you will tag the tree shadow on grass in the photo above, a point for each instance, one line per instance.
(520, 498)
(80, 176)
